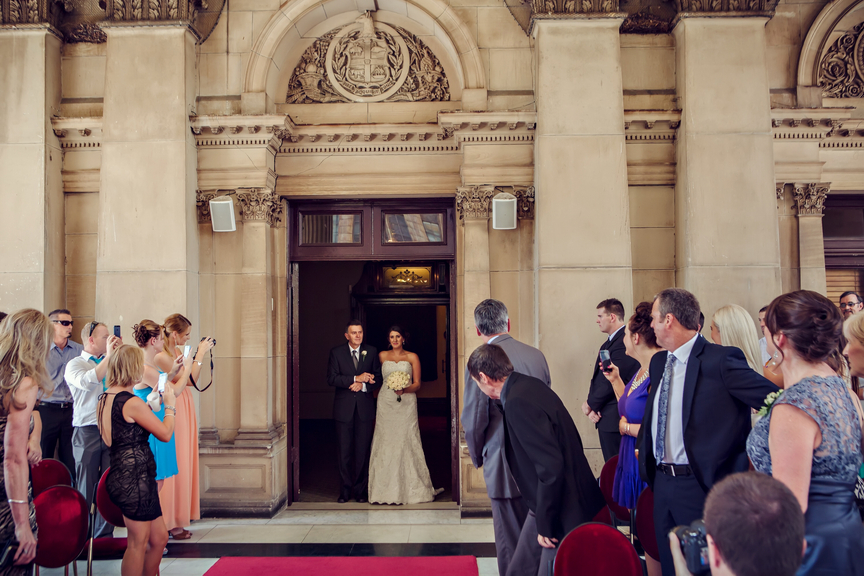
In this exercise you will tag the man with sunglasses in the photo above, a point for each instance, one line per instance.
(850, 303)
(56, 409)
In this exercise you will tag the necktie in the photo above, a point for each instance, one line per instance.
(97, 361)
(355, 358)
(663, 409)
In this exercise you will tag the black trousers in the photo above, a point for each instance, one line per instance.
(57, 433)
(678, 501)
(610, 444)
(354, 440)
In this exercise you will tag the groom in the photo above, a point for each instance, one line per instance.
(355, 372)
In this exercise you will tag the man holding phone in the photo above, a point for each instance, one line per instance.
(601, 407)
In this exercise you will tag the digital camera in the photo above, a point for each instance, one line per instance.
(694, 546)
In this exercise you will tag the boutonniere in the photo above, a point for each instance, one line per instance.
(769, 401)
(362, 354)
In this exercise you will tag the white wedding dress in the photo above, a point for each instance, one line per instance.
(397, 466)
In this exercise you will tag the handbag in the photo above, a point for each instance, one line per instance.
(7, 555)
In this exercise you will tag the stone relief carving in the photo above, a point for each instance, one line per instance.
(726, 5)
(645, 23)
(368, 61)
(31, 12)
(202, 203)
(572, 6)
(260, 204)
(841, 72)
(474, 202)
(810, 198)
(779, 189)
(87, 32)
(524, 202)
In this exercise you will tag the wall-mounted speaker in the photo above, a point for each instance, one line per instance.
(222, 214)
(504, 211)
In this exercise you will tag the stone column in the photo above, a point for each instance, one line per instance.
(810, 201)
(31, 222)
(147, 262)
(261, 209)
(727, 230)
(582, 214)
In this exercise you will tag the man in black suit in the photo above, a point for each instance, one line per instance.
(602, 405)
(697, 416)
(544, 452)
(355, 371)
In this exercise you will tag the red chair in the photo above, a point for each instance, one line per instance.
(603, 516)
(645, 524)
(607, 483)
(48, 473)
(593, 549)
(61, 514)
(105, 548)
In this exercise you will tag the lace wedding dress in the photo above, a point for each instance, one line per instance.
(397, 466)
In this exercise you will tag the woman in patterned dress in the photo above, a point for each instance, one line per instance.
(25, 339)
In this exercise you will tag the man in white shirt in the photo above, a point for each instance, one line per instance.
(85, 375)
(763, 343)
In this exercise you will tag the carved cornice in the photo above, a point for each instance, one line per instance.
(152, 11)
(260, 204)
(240, 131)
(77, 132)
(86, 32)
(810, 198)
(524, 202)
(27, 13)
(645, 23)
(841, 71)
(689, 8)
(569, 7)
(474, 202)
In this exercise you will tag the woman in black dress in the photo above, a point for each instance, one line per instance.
(126, 423)
(25, 338)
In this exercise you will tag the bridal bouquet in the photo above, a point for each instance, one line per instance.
(398, 381)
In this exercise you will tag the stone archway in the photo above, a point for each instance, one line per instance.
(834, 21)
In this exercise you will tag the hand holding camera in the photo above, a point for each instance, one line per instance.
(689, 545)
(207, 343)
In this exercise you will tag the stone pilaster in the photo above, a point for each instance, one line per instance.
(810, 202)
(580, 175)
(31, 222)
(726, 219)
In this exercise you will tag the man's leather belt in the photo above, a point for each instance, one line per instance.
(675, 469)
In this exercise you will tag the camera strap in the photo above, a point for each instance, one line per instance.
(195, 385)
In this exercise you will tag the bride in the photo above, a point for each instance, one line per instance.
(397, 466)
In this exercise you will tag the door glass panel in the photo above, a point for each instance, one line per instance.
(414, 228)
(330, 229)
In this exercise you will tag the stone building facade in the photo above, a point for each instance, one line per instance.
(648, 143)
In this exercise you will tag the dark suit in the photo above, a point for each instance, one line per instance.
(354, 413)
(719, 390)
(601, 395)
(547, 460)
(484, 433)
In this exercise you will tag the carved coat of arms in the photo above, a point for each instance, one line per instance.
(368, 61)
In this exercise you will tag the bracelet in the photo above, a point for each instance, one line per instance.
(628, 429)
(11, 501)
(167, 407)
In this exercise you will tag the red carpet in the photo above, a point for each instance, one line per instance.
(346, 566)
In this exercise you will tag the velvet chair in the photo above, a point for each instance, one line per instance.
(607, 483)
(61, 515)
(603, 516)
(645, 524)
(48, 473)
(592, 549)
(105, 548)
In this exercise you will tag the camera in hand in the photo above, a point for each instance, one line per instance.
(208, 338)
(694, 546)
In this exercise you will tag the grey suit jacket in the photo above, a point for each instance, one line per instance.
(484, 424)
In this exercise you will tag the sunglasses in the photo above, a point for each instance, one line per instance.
(93, 326)
(63, 322)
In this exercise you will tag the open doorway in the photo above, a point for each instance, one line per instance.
(329, 293)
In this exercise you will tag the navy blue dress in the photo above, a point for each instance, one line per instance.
(833, 529)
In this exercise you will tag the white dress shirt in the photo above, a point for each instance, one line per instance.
(85, 388)
(358, 361)
(763, 347)
(612, 335)
(675, 453)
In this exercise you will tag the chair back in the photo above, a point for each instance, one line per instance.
(61, 514)
(48, 473)
(607, 484)
(645, 523)
(109, 511)
(603, 516)
(594, 548)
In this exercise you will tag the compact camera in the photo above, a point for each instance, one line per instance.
(694, 546)
(206, 337)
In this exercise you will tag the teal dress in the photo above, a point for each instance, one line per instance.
(165, 453)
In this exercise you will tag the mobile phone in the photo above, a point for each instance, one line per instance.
(117, 330)
(162, 379)
(606, 360)
(186, 350)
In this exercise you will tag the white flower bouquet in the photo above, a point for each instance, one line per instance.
(398, 381)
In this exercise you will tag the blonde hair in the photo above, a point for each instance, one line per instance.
(25, 339)
(125, 367)
(173, 323)
(88, 329)
(737, 329)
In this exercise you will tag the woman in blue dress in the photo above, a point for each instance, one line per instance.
(811, 438)
(641, 344)
(150, 338)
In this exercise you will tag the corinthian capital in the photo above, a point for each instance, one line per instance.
(474, 202)
(260, 204)
(810, 198)
(202, 203)
(524, 201)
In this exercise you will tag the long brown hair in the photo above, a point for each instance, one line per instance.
(173, 323)
(25, 339)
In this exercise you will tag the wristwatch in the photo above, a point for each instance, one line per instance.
(197, 362)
